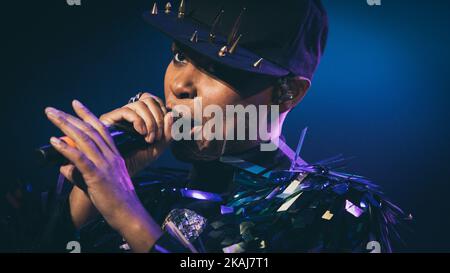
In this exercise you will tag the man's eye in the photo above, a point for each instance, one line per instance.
(179, 57)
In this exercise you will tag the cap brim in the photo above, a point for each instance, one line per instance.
(181, 31)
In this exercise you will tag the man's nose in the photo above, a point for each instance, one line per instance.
(183, 86)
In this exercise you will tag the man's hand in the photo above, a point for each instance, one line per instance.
(102, 168)
(149, 118)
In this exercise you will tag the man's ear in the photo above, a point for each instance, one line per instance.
(290, 93)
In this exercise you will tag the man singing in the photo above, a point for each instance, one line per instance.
(237, 197)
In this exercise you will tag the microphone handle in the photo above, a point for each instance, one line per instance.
(123, 135)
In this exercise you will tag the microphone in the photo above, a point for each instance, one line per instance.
(123, 135)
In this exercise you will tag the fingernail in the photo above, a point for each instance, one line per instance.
(55, 141)
(151, 137)
(143, 130)
(106, 123)
(77, 103)
(50, 111)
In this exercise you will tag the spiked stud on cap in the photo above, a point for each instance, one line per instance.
(167, 8)
(181, 10)
(257, 64)
(194, 37)
(234, 45)
(154, 9)
(223, 51)
(212, 33)
(237, 24)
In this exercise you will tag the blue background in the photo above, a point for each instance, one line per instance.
(380, 93)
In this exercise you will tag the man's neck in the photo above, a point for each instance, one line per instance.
(215, 176)
(211, 176)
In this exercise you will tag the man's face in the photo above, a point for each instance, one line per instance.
(189, 77)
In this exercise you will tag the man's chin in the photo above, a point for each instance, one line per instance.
(189, 151)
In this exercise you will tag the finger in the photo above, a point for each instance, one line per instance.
(157, 99)
(126, 114)
(168, 122)
(83, 142)
(81, 162)
(92, 133)
(107, 144)
(67, 171)
(71, 173)
(158, 115)
(142, 110)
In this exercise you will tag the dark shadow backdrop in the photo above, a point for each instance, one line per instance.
(380, 93)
